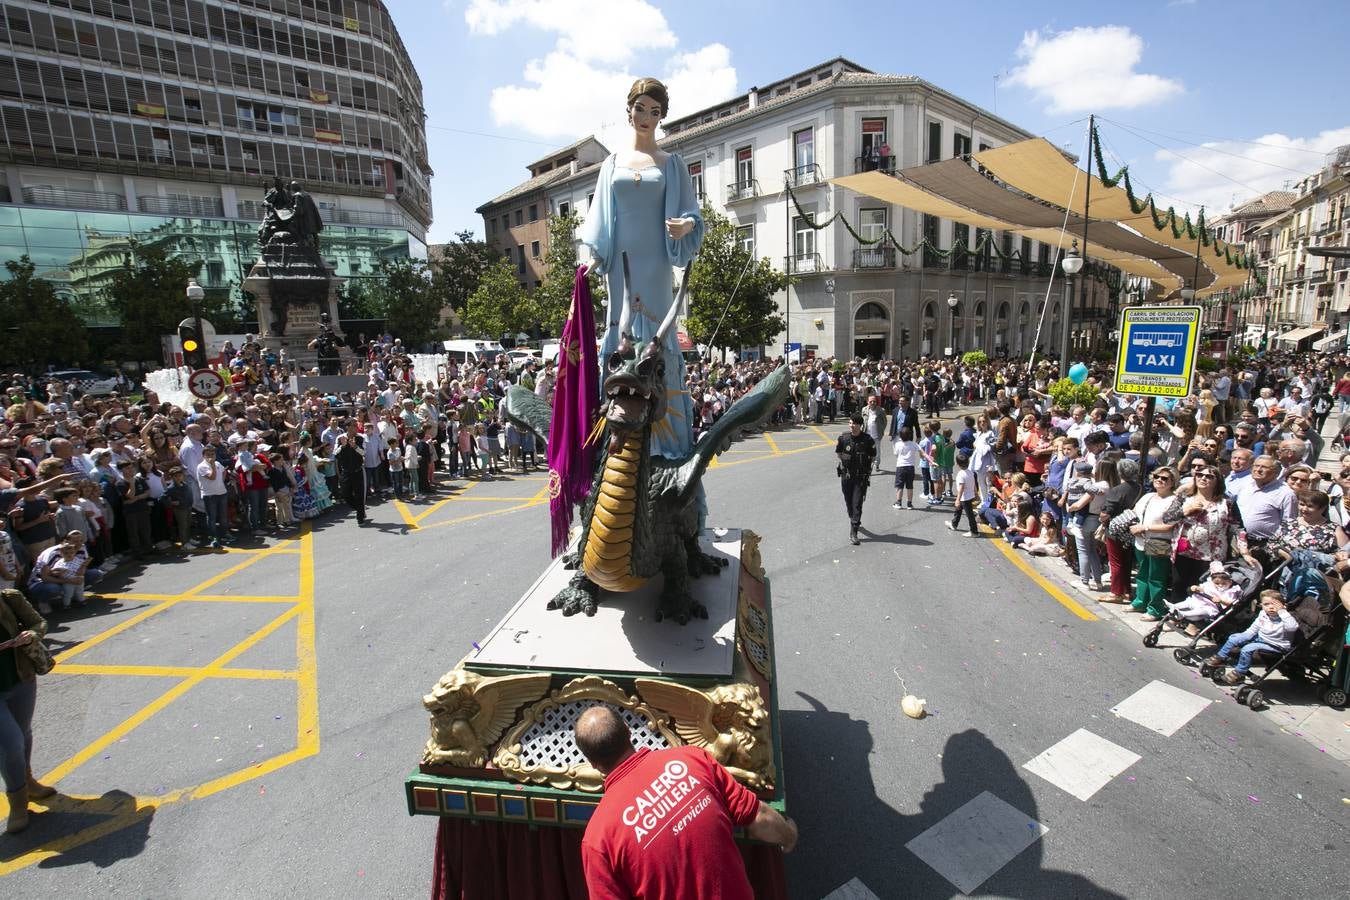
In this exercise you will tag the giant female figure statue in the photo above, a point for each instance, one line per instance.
(645, 207)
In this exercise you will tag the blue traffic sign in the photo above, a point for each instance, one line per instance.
(1157, 350)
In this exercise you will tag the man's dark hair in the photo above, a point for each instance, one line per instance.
(1115, 419)
(602, 737)
(1097, 437)
(856, 419)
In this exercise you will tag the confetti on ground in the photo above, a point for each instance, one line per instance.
(1253, 798)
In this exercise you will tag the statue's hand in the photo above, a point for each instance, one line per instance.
(678, 228)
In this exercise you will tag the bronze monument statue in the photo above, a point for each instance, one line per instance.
(289, 241)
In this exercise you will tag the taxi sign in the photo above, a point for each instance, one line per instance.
(1157, 350)
(206, 384)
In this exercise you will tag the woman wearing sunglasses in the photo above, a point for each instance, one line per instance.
(1207, 526)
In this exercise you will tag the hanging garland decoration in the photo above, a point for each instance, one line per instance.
(1196, 231)
(1112, 276)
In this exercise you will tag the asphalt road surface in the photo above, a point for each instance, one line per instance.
(240, 724)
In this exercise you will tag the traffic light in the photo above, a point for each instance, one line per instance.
(904, 336)
(194, 349)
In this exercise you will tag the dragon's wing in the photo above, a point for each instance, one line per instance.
(751, 409)
(499, 698)
(689, 709)
(528, 410)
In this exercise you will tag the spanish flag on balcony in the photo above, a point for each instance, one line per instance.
(153, 110)
(318, 96)
(323, 134)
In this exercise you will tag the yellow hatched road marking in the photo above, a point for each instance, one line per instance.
(178, 672)
(124, 812)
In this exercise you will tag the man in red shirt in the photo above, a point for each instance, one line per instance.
(664, 826)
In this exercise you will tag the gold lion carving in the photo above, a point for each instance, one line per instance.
(469, 712)
(729, 721)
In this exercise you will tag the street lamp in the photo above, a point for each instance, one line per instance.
(952, 302)
(1188, 293)
(1072, 264)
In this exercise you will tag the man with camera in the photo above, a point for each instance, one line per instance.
(327, 344)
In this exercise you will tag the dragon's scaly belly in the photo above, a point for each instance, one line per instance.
(607, 557)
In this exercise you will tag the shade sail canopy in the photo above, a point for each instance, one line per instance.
(1299, 334)
(958, 182)
(1037, 168)
(1125, 250)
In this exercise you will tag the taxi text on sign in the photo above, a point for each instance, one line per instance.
(1157, 350)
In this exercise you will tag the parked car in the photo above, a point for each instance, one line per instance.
(85, 381)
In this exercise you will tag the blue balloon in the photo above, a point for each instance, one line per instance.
(1078, 373)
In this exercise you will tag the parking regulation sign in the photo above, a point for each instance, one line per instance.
(1157, 350)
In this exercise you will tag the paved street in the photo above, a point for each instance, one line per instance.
(239, 724)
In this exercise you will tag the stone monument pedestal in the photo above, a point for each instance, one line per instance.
(305, 298)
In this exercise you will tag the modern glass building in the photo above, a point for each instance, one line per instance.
(148, 122)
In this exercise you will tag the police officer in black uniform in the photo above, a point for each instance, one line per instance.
(351, 466)
(855, 452)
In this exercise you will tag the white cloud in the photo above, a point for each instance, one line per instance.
(1266, 163)
(602, 46)
(1089, 69)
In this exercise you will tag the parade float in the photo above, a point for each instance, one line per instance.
(648, 610)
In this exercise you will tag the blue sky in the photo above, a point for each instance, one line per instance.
(506, 81)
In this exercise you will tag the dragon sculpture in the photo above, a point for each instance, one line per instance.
(641, 518)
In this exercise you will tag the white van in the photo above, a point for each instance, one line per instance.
(472, 352)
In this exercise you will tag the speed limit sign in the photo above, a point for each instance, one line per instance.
(206, 384)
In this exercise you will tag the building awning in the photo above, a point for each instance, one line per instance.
(1299, 334)
(1330, 341)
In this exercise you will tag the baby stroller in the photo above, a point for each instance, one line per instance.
(1247, 578)
(1314, 647)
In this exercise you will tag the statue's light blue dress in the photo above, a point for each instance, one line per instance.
(628, 215)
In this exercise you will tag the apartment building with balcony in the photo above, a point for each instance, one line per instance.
(516, 221)
(1307, 295)
(132, 122)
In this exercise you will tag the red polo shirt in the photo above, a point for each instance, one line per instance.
(664, 829)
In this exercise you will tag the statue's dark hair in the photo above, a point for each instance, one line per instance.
(651, 88)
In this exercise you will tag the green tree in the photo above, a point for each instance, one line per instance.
(752, 318)
(459, 266)
(403, 290)
(149, 298)
(356, 302)
(553, 297)
(36, 325)
(499, 305)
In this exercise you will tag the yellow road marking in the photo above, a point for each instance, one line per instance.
(768, 439)
(124, 812)
(128, 724)
(414, 521)
(176, 672)
(201, 598)
(140, 617)
(823, 436)
(1064, 599)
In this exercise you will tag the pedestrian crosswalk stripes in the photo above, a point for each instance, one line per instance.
(972, 843)
(1082, 764)
(1160, 707)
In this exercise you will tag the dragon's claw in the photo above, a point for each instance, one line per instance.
(580, 596)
